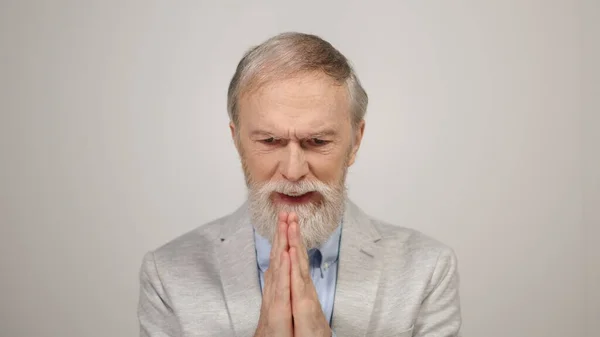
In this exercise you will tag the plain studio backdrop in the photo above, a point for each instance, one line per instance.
(482, 131)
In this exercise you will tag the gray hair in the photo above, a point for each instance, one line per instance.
(289, 54)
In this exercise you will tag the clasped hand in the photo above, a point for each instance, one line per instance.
(290, 305)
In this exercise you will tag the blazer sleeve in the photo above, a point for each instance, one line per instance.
(155, 314)
(440, 313)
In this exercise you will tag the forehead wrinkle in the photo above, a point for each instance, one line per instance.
(283, 109)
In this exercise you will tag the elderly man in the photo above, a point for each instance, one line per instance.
(298, 258)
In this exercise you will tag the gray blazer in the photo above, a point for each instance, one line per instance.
(392, 282)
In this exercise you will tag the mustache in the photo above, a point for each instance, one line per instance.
(296, 188)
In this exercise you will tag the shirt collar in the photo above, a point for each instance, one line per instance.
(263, 250)
(329, 250)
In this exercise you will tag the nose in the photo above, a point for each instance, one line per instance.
(293, 166)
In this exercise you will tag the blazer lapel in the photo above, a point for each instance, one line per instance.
(236, 254)
(358, 274)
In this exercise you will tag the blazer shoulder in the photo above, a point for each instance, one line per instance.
(198, 241)
(431, 259)
(411, 239)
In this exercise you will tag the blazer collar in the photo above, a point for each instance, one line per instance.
(236, 256)
(359, 270)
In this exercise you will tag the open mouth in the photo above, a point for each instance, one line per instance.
(294, 199)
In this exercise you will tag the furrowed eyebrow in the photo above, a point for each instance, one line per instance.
(261, 133)
(317, 134)
(323, 133)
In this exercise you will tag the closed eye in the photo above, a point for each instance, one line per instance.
(269, 141)
(317, 142)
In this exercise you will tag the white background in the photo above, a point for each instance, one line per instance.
(482, 131)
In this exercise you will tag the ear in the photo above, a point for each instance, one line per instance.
(233, 130)
(359, 131)
(234, 135)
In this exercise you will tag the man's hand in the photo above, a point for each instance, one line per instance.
(276, 311)
(309, 320)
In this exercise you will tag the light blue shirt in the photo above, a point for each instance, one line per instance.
(323, 263)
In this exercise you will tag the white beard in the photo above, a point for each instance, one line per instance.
(317, 221)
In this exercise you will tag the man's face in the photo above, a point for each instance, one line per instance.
(296, 141)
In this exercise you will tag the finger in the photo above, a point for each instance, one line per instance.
(292, 217)
(283, 238)
(276, 246)
(297, 281)
(297, 242)
(283, 279)
(275, 237)
(282, 216)
(293, 239)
